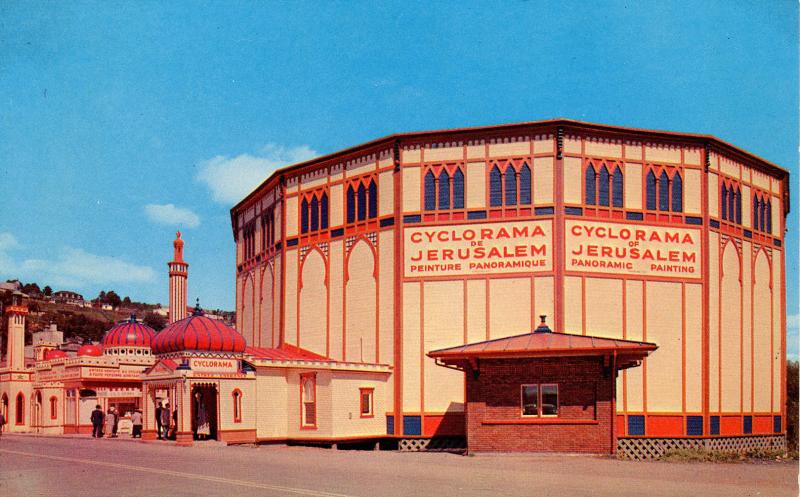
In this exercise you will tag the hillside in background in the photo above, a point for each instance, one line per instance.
(84, 318)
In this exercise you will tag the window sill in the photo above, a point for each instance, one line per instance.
(540, 421)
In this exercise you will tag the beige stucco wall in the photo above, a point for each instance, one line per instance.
(443, 327)
(313, 317)
(272, 401)
(361, 302)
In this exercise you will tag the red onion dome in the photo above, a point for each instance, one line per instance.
(54, 354)
(198, 333)
(90, 350)
(129, 334)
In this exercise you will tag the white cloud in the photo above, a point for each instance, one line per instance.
(7, 242)
(77, 268)
(793, 321)
(230, 179)
(171, 215)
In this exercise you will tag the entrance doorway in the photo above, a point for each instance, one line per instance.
(204, 412)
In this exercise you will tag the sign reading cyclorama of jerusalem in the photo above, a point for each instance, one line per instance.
(606, 247)
(484, 248)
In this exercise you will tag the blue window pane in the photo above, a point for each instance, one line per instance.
(756, 212)
(458, 189)
(651, 190)
(351, 204)
(430, 191)
(373, 200)
(748, 424)
(677, 193)
(304, 216)
(636, 425)
(362, 202)
(714, 425)
(663, 191)
(731, 205)
(776, 424)
(724, 203)
(738, 206)
(590, 197)
(617, 187)
(323, 211)
(604, 184)
(444, 191)
(314, 214)
(511, 186)
(390, 425)
(525, 185)
(495, 188)
(694, 425)
(768, 215)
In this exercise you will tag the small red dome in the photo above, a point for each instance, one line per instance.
(198, 333)
(90, 350)
(129, 334)
(54, 354)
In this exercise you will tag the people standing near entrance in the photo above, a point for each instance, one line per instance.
(158, 419)
(2, 423)
(202, 422)
(110, 420)
(136, 422)
(116, 421)
(173, 435)
(97, 422)
(165, 415)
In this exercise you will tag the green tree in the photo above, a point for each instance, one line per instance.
(792, 385)
(31, 289)
(126, 301)
(47, 291)
(155, 321)
(113, 299)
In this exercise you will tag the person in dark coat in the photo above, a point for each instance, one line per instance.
(116, 421)
(97, 422)
(174, 432)
(2, 422)
(158, 419)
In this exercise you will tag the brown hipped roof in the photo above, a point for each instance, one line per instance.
(548, 344)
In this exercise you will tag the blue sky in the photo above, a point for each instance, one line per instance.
(120, 122)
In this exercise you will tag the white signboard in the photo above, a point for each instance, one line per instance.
(484, 248)
(634, 249)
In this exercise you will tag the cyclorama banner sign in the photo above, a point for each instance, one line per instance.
(214, 365)
(616, 248)
(485, 248)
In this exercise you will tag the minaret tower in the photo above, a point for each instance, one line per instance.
(178, 273)
(16, 312)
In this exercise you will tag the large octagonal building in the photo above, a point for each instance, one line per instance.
(386, 251)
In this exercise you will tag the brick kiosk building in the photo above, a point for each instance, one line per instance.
(382, 252)
(542, 391)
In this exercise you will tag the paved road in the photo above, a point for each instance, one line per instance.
(35, 466)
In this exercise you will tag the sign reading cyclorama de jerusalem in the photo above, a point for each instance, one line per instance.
(607, 247)
(527, 246)
(484, 248)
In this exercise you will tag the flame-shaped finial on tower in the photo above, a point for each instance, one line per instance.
(178, 244)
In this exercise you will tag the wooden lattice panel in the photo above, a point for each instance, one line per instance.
(653, 448)
(442, 444)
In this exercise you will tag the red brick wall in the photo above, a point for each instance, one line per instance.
(585, 396)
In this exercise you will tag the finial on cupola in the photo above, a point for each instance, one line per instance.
(133, 318)
(543, 328)
(197, 310)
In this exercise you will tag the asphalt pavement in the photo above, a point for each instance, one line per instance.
(44, 466)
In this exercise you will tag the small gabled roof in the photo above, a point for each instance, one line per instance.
(543, 342)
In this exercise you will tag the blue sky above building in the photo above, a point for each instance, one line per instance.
(122, 122)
